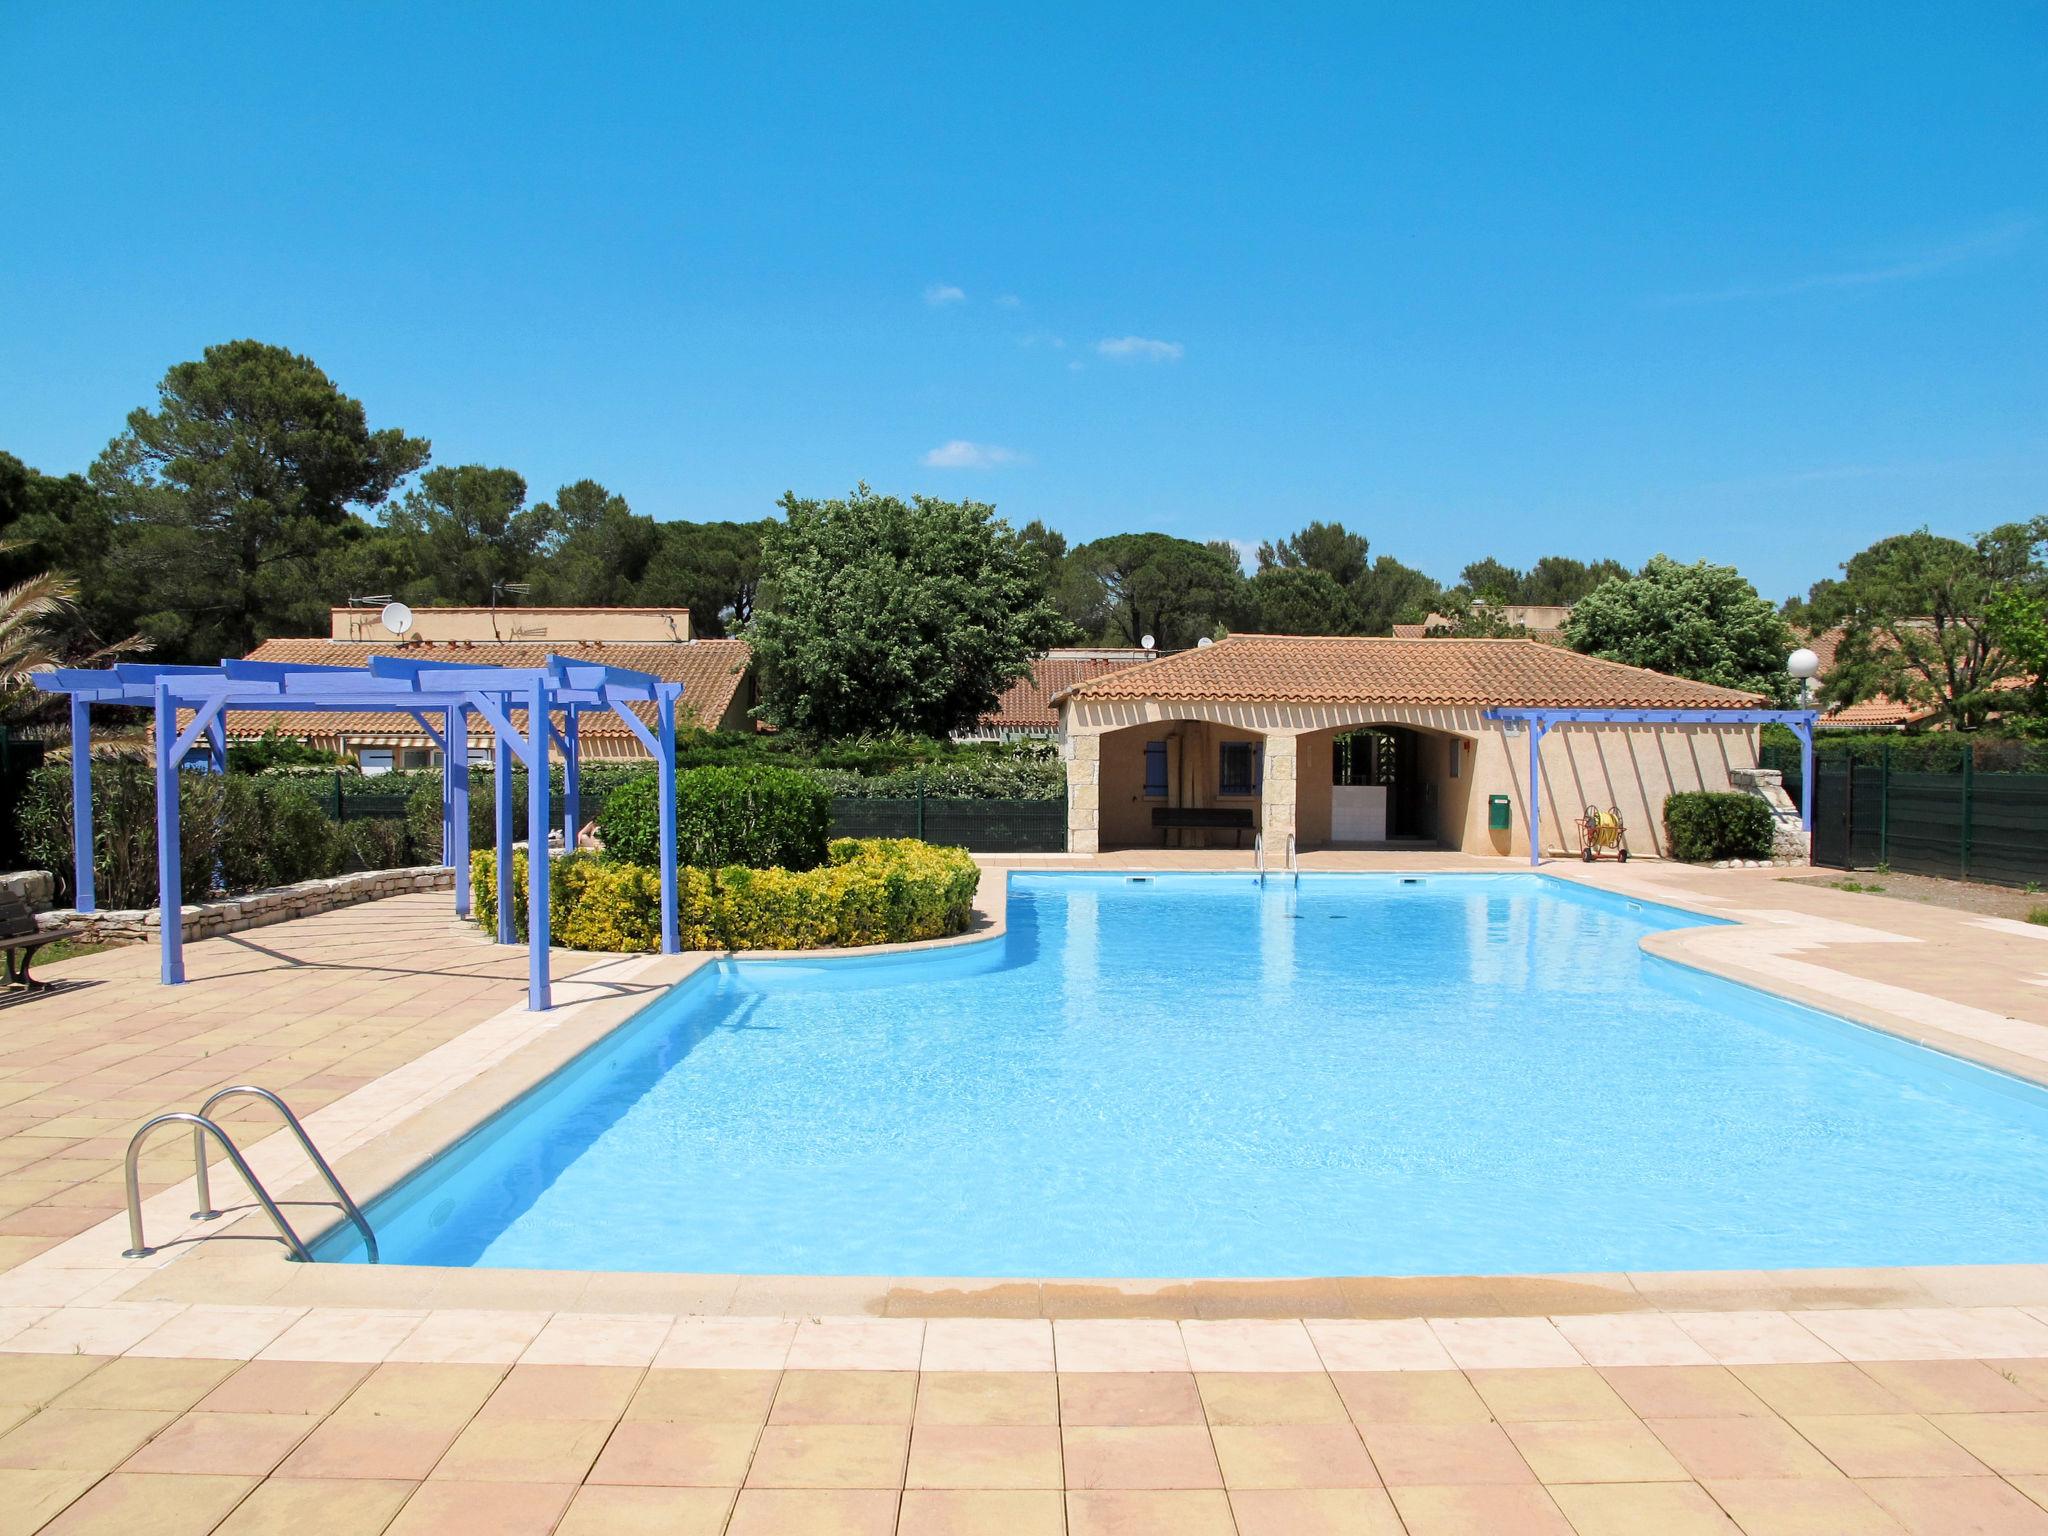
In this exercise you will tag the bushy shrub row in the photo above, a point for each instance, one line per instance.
(237, 832)
(756, 816)
(872, 891)
(967, 778)
(1703, 826)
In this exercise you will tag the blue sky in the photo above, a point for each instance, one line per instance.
(1754, 283)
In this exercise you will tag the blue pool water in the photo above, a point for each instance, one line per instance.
(1189, 1075)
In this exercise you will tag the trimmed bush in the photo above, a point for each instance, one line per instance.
(1704, 826)
(874, 891)
(758, 817)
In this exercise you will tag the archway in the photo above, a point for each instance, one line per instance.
(1380, 784)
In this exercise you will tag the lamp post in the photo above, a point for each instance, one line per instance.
(1804, 665)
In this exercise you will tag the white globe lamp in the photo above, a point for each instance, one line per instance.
(1804, 665)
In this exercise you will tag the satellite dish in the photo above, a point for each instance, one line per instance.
(397, 618)
(1204, 643)
(1146, 643)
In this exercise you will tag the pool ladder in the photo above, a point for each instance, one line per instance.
(203, 1127)
(1293, 859)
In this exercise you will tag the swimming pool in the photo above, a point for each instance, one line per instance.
(1194, 1075)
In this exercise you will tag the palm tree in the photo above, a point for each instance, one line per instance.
(31, 640)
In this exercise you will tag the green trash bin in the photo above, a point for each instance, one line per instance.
(1497, 813)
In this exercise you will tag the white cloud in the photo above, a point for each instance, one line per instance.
(961, 454)
(1008, 301)
(939, 295)
(1140, 349)
(1995, 240)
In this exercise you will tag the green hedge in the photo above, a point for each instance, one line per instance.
(755, 816)
(1704, 826)
(872, 891)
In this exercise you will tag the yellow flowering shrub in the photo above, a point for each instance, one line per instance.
(872, 891)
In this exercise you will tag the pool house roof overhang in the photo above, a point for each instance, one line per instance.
(563, 687)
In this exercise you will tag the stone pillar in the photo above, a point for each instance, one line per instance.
(1083, 753)
(1276, 800)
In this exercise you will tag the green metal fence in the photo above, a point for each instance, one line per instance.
(985, 826)
(1965, 824)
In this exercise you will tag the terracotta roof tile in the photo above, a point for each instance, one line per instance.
(710, 671)
(1319, 669)
(1027, 703)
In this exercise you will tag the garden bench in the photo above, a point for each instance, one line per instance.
(1236, 819)
(20, 938)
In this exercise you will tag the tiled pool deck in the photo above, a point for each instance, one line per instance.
(216, 1387)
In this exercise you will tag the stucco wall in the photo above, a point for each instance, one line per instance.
(1192, 751)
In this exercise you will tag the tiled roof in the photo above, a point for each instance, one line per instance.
(1027, 703)
(1315, 669)
(709, 670)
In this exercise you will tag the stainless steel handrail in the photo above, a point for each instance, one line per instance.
(140, 1249)
(1259, 854)
(206, 1212)
(1293, 861)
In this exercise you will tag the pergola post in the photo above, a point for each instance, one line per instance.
(457, 760)
(665, 777)
(217, 742)
(84, 897)
(572, 776)
(501, 788)
(1804, 730)
(1537, 727)
(170, 889)
(537, 850)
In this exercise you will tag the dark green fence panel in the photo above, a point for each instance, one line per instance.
(984, 826)
(2009, 828)
(1964, 825)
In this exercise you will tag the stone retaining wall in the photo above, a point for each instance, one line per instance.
(37, 887)
(256, 909)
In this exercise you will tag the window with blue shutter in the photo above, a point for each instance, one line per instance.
(1155, 770)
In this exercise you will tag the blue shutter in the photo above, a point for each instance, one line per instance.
(1155, 770)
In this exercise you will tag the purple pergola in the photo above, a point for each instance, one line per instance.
(1540, 722)
(440, 695)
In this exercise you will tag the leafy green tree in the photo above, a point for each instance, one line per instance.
(596, 550)
(1559, 580)
(1490, 581)
(1050, 546)
(1130, 585)
(884, 615)
(58, 522)
(1821, 608)
(1921, 622)
(1391, 593)
(469, 533)
(1297, 600)
(713, 569)
(1327, 547)
(223, 500)
(1700, 621)
(1469, 618)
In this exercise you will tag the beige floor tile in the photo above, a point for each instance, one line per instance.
(693, 1455)
(857, 1344)
(1118, 1344)
(2011, 1444)
(985, 1456)
(389, 1448)
(284, 1386)
(987, 1344)
(1314, 1512)
(1504, 1343)
(988, 1397)
(1684, 1392)
(1131, 1398)
(598, 1339)
(1957, 1506)
(1402, 1344)
(1444, 1454)
(138, 1504)
(1989, 1332)
(1293, 1456)
(1594, 1451)
(845, 1397)
(1633, 1338)
(1411, 1397)
(37, 1379)
(1753, 1338)
(1631, 1509)
(727, 1343)
(1739, 1448)
(564, 1391)
(1823, 1506)
(363, 1335)
(619, 1511)
(1469, 1510)
(1881, 1333)
(1953, 1386)
(1250, 1397)
(830, 1456)
(79, 1439)
(448, 1508)
(1563, 1392)
(814, 1511)
(470, 1336)
(329, 1507)
(1250, 1344)
(28, 1500)
(1160, 1456)
(168, 1386)
(1887, 1445)
(982, 1512)
(225, 1444)
(110, 1330)
(711, 1396)
(441, 1395)
(1840, 1388)
(218, 1333)
(1148, 1512)
(509, 1450)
